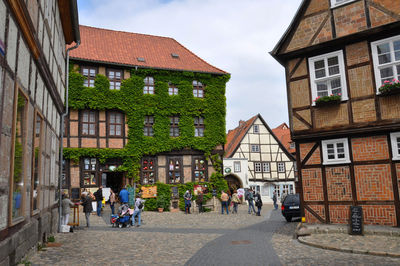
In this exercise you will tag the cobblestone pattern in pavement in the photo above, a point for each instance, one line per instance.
(163, 239)
(292, 252)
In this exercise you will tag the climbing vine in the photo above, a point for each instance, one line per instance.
(136, 105)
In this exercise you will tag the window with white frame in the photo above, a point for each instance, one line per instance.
(395, 140)
(266, 167)
(386, 58)
(277, 190)
(236, 167)
(256, 129)
(335, 151)
(255, 188)
(255, 148)
(335, 3)
(257, 167)
(281, 167)
(327, 75)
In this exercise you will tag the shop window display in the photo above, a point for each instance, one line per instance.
(199, 170)
(148, 171)
(174, 171)
(89, 172)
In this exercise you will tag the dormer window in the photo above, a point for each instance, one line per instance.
(198, 90)
(148, 85)
(327, 75)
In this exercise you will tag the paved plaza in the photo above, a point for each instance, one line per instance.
(195, 239)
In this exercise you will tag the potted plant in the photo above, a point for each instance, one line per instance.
(389, 87)
(161, 203)
(328, 100)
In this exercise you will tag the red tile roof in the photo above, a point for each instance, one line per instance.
(235, 136)
(282, 132)
(118, 47)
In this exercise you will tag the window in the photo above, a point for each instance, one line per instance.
(281, 167)
(335, 3)
(88, 123)
(266, 167)
(198, 90)
(89, 174)
(386, 58)
(115, 124)
(115, 77)
(277, 190)
(328, 75)
(148, 126)
(64, 174)
(255, 148)
(335, 151)
(292, 145)
(18, 167)
(199, 169)
(256, 129)
(37, 151)
(199, 126)
(257, 167)
(148, 85)
(90, 74)
(174, 170)
(236, 167)
(174, 126)
(172, 90)
(255, 188)
(148, 170)
(395, 140)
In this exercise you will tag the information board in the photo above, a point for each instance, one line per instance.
(75, 193)
(131, 192)
(149, 192)
(356, 225)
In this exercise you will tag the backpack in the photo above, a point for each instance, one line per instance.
(140, 206)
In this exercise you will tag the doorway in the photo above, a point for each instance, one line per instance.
(233, 182)
(114, 181)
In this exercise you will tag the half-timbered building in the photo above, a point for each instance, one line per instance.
(161, 106)
(337, 56)
(255, 158)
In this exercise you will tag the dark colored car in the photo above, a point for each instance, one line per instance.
(291, 207)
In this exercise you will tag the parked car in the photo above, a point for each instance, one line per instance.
(291, 207)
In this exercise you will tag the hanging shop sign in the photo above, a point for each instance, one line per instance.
(149, 192)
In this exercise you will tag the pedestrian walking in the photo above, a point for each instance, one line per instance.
(99, 199)
(224, 202)
(259, 203)
(188, 201)
(274, 199)
(112, 201)
(87, 206)
(139, 204)
(124, 195)
(199, 201)
(229, 200)
(235, 200)
(66, 205)
(250, 201)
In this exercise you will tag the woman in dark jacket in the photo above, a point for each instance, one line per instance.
(259, 203)
(87, 206)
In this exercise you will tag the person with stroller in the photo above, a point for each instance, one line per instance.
(139, 204)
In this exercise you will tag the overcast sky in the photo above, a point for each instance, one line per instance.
(233, 35)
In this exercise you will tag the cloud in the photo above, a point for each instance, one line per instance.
(232, 35)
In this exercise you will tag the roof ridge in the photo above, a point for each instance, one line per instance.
(129, 32)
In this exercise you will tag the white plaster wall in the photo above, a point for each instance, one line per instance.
(12, 43)
(23, 63)
(39, 92)
(33, 80)
(2, 21)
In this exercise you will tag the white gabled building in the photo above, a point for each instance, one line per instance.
(255, 158)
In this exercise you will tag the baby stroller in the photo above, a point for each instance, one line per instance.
(123, 219)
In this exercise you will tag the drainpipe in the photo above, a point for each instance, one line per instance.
(62, 133)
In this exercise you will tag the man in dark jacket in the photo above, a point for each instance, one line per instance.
(87, 206)
(99, 198)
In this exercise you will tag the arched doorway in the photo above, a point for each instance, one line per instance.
(234, 182)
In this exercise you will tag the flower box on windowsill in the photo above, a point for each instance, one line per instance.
(331, 100)
(390, 88)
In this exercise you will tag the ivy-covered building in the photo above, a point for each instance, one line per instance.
(142, 109)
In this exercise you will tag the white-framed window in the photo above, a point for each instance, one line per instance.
(255, 188)
(255, 148)
(335, 3)
(335, 151)
(386, 59)
(256, 129)
(395, 140)
(277, 190)
(236, 167)
(257, 167)
(266, 167)
(327, 74)
(281, 167)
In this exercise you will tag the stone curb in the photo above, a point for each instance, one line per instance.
(356, 251)
(368, 230)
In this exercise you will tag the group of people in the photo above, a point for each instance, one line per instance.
(227, 200)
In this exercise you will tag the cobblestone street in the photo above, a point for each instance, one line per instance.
(195, 239)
